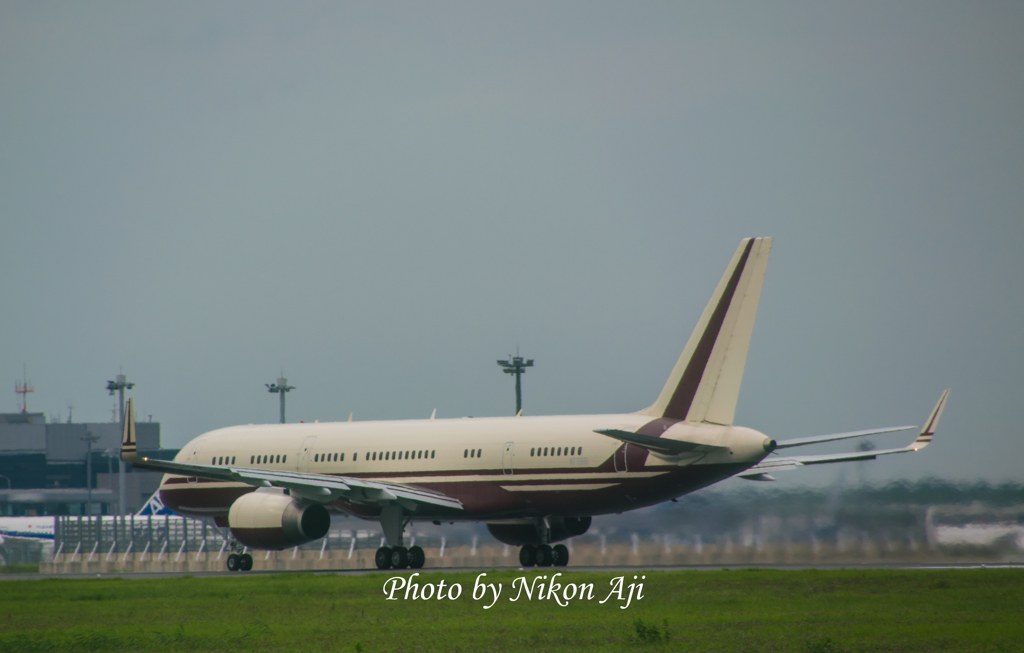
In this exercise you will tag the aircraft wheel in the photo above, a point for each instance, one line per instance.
(245, 562)
(528, 555)
(383, 558)
(399, 557)
(234, 564)
(560, 554)
(545, 556)
(417, 558)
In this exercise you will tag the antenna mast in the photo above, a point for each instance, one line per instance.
(22, 388)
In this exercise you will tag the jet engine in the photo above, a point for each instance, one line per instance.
(521, 533)
(262, 520)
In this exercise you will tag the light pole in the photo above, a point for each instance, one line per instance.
(517, 366)
(281, 387)
(89, 439)
(120, 384)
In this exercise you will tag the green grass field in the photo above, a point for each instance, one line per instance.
(747, 610)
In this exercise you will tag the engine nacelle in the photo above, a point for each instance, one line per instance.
(262, 520)
(520, 533)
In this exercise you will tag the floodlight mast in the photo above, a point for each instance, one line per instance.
(89, 439)
(517, 366)
(120, 384)
(281, 387)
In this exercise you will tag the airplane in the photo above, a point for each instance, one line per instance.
(41, 528)
(534, 481)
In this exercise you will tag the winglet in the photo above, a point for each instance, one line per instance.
(129, 449)
(928, 431)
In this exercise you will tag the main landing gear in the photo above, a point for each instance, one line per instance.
(239, 562)
(544, 555)
(399, 557)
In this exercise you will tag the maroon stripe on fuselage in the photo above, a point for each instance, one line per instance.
(483, 500)
(682, 398)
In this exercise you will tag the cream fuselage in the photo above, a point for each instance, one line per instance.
(499, 468)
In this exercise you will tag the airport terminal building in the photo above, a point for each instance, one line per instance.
(48, 468)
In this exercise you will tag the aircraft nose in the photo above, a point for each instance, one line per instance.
(769, 445)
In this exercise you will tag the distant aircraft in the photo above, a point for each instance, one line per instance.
(533, 480)
(41, 528)
(26, 528)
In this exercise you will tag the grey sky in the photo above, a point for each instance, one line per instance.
(384, 198)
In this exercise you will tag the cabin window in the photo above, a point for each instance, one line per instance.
(479, 452)
(342, 457)
(572, 452)
(419, 454)
(232, 460)
(316, 458)
(375, 456)
(355, 457)
(579, 451)
(252, 459)
(214, 461)
(545, 451)
(284, 458)
(465, 454)
(278, 457)
(432, 453)
(559, 451)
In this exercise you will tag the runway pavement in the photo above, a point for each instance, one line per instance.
(446, 570)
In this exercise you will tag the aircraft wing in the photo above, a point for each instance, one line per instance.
(315, 487)
(773, 463)
(815, 439)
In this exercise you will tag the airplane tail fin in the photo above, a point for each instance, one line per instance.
(129, 448)
(705, 383)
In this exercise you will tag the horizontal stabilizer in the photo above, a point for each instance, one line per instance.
(664, 446)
